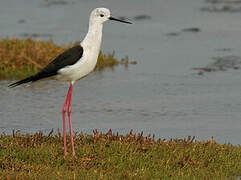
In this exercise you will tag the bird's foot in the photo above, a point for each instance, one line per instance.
(65, 153)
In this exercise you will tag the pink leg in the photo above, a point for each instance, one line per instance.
(70, 125)
(63, 116)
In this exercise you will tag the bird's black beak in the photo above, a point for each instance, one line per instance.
(115, 19)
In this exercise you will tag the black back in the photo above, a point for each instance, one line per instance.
(67, 58)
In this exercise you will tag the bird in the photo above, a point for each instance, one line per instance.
(75, 63)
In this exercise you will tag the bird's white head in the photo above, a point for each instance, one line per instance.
(101, 15)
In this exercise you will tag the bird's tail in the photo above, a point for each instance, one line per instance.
(24, 81)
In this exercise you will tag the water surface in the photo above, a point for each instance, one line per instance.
(160, 95)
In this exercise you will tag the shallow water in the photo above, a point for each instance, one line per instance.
(160, 95)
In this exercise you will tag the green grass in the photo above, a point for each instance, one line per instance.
(113, 156)
(21, 58)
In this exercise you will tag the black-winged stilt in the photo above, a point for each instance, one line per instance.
(76, 62)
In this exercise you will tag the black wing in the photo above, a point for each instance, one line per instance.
(67, 58)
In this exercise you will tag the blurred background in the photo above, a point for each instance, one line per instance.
(187, 80)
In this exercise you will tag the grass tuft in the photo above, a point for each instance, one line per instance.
(113, 156)
(21, 58)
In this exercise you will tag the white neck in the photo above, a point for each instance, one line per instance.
(93, 38)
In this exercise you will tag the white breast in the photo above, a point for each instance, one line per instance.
(83, 67)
